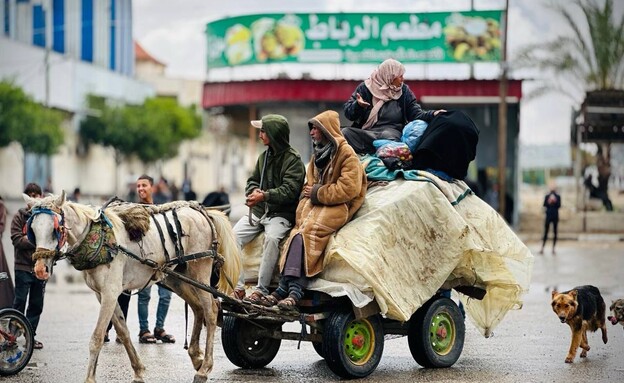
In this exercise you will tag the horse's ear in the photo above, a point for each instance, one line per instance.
(28, 199)
(60, 200)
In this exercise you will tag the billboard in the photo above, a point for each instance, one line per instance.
(442, 37)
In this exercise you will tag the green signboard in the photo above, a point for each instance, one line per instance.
(443, 37)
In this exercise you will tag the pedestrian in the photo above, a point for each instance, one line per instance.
(7, 292)
(380, 107)
(334, 191)
(272, 193)
(219, 199)
(144, 188)
(161, 193)
(27, 287)
(75, 197)
(552, 203)
(491, 196)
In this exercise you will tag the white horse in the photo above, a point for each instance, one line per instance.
(188, 230)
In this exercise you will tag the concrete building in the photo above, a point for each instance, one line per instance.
(197, 160)
(59, 52)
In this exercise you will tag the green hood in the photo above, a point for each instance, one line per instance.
(276, 127)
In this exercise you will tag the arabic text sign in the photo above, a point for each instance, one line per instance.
(355, 38)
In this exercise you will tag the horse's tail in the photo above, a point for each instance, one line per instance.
(228, 248)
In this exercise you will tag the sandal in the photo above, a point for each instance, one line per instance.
(37, 345)
(162, 336)
(146, 337)
(257, 298)
(273, 298)
(289, 303)
(238, 294)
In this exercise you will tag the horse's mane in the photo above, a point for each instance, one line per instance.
(92, 213)
(136, 217)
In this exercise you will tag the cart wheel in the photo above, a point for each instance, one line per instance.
(243, 347)
(436, 333)
(16, 342)
(352, 348)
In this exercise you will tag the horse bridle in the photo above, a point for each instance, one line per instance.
(59, 230)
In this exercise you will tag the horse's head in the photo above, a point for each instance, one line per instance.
(46, 230)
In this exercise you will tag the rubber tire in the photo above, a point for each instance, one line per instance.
(243, 348)
(28, 336)
(337, 327)
(419, 336)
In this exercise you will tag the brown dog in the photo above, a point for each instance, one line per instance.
(582, 308)
(617, 308)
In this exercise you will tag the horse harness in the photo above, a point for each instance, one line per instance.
(176, 238)
(99, 245)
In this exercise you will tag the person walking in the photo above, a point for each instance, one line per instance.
(144, 188)
(272, 194)
(552, 203)
(7, 292)
(28, 289)
(334, 191)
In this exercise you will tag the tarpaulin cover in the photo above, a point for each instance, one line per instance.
(409, 239)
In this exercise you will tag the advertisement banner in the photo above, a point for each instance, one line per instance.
(442, 37)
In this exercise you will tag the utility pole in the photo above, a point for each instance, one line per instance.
(502, 120)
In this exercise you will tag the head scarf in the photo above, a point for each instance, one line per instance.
(380, 85)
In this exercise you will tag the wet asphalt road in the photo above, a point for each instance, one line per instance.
(528, 346)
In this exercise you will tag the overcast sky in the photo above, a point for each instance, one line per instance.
(173, 32)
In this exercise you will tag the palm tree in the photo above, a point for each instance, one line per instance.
(590, 59)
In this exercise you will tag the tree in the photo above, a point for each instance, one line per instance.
(36, 128)
(591, 58)
(151, 131)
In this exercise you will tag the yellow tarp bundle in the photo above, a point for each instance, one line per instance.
(411, 238)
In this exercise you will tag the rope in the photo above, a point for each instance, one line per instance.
(266, 206)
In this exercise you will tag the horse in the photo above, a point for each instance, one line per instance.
(123, 246)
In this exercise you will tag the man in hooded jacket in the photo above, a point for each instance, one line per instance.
(272, 193)
(335, 189)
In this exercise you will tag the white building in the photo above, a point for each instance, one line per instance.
(216, 159)
(60, 51)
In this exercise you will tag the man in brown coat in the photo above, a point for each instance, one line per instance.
(334, 190)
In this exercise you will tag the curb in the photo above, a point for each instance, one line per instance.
(584, 237)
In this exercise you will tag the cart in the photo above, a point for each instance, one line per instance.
(442, 237)
(351, 340)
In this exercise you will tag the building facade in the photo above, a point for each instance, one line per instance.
(92, 31)
(60, 52)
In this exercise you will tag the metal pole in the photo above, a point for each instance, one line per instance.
(502, 120)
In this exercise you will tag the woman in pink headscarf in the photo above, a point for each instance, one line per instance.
(380, 107)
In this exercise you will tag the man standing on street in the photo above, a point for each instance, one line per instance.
(552, 203)
(144, 189)
(27, 286)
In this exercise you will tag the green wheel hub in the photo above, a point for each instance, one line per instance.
(442, 333)
(359, 341)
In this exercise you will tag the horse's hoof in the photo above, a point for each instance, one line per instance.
(200, 379)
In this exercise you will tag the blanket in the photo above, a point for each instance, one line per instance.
(411, 238)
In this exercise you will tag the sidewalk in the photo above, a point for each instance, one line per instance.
(568, 236)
